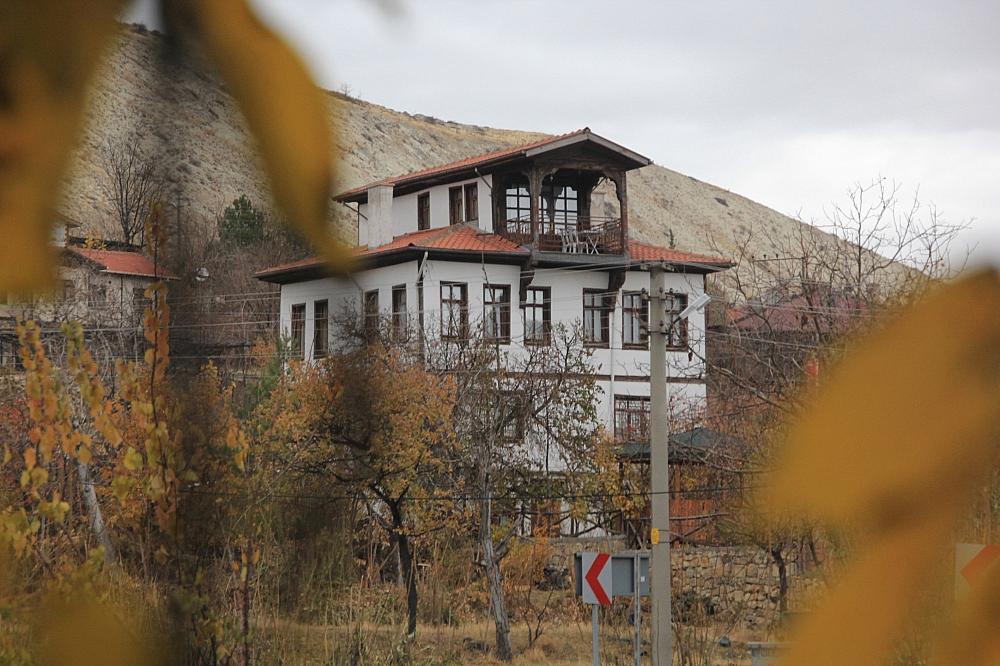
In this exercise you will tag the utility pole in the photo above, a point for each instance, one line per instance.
(659, 564)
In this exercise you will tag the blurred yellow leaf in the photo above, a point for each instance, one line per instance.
(284, 108)
(976, 640)
(49, 52)
(906, 420)
(82, 632)
(896, 440)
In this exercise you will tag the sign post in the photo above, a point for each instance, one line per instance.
(595, 642)
(597, 587)
(602, 576)
(636, 610)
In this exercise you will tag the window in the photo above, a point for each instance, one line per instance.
(298, 329)
(596, 317)
(496, 312)
(455, 205)
(400, 316)
(537, 306)
(560, 204)
(512, 416)
(139, 305)
(632, 418)
(471, 202)
(518, 199)
(321, 328)
(424, 211)
(674, 304)
(68, 290)
(97, 294)
(370, 320)
(635, 320)
(454, 311)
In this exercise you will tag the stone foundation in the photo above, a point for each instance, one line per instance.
(731, 583)
(735, 582)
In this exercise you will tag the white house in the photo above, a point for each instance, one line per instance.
(102, 288)
(519, 239)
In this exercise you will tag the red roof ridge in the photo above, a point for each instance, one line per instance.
(122, 262)
(464, 162)
(458, 237)
(649, 252)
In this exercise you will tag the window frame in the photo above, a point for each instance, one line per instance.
(455, 196)
(545, 308)
(321, 338)
(517, 189)
(400, 314)
(626, 408)
(514, 429)
(489, 304)
(423, 211)
(297, 329)
(97, 294)
(630, 311)
(370, 313)
(462, 333)
(470, 196)
(603, 310)
(677, 328)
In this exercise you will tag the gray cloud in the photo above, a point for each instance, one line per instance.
(786, 102)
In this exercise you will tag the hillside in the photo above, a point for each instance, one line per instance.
(187, 119)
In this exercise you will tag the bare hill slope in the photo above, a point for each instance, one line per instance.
(187, 119)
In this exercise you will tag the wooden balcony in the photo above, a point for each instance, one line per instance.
(582, 234)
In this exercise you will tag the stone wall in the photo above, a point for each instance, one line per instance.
(737, 584)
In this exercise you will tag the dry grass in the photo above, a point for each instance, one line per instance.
(296, 644)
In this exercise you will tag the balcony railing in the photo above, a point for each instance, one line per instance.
(576, 235)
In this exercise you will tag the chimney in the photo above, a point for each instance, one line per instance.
(598, 204)
(379, 215)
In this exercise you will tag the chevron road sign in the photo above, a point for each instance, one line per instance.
(621, 567)
(602, 576)
(596, 578)
(971, 562)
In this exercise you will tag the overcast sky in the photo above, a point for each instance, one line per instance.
(787, 103)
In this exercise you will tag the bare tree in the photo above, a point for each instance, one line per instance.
(527, 429)
(132, 183)
(790, 314)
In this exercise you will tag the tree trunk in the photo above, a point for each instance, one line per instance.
(94, 511)
(779, 559)
(495, 579)
(408, 567)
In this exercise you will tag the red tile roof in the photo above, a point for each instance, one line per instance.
(797, 313)
(123, 263)
(460, 238)
(463, 238)
(645, 252)
(463, 164)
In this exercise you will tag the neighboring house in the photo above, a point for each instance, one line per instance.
(102, 288)
(772, 341)
(518, 240)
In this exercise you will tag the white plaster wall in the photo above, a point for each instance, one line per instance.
(344, 297)
(621, 371)
(117, 309)
(404, 209)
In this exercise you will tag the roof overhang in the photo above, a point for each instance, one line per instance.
(318, 269)
(473, 167)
